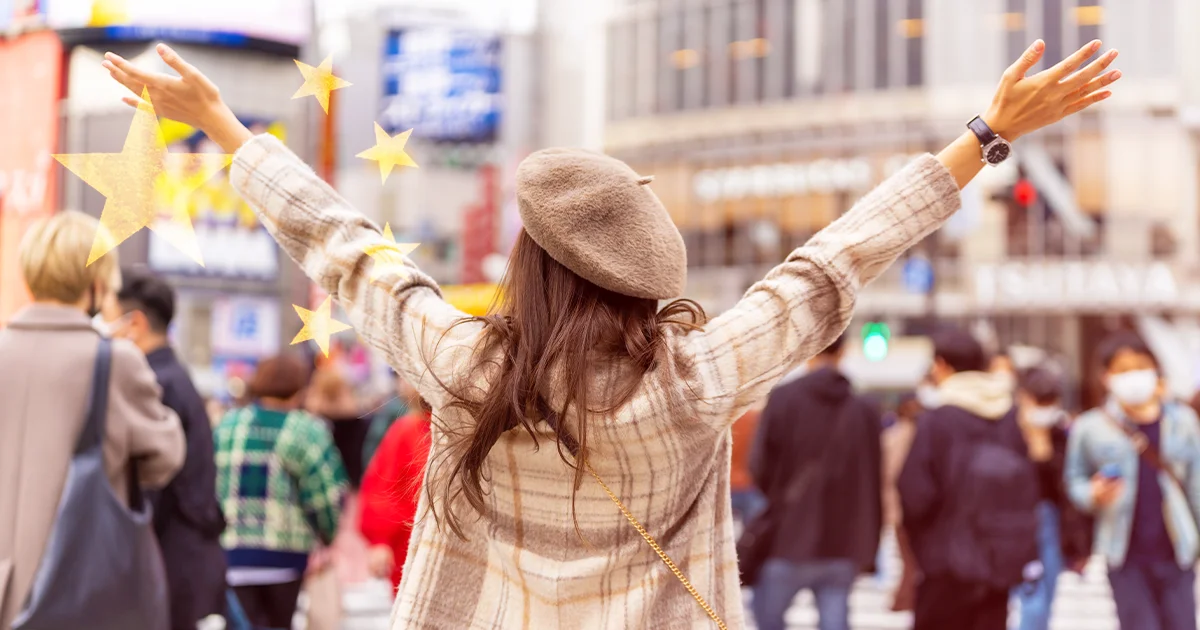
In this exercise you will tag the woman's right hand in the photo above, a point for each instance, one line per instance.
(1023, 104)
(190, 98)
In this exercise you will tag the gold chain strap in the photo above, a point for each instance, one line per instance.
(687, 584)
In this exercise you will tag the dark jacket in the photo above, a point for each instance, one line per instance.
(187, 517)
(839, 514)
(976, 407)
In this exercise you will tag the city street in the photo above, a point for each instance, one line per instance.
(1084, 603)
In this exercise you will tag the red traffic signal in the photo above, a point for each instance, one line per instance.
(1024, 193)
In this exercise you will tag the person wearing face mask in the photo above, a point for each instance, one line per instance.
(187, 518)
(1134, 463)
(51, 347)
(1064, 534)
(968, 493)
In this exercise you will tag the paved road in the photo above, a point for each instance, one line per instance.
(1084, 603)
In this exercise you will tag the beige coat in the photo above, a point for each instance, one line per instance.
(524, 562)
(46, 357)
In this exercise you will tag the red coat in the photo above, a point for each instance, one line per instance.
(392, 486)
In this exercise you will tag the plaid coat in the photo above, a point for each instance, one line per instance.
(523, 565)
(280, 482)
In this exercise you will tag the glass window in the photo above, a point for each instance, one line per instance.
(670, 80)
(808, 54)
(882, 38)
(1016, 37)
(718, 60)
(1088, 15)
(1052, 32)
(912, 29)
(850, 49)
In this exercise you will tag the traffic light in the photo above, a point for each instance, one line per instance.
(875, 338)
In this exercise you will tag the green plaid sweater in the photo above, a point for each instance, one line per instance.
(280, 482)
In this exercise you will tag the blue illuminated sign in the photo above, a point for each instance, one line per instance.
(442, 84)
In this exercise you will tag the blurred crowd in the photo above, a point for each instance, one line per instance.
(991, 484)
(300, 484)
(993, 487)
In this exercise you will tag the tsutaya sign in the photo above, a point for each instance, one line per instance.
(1074, 285)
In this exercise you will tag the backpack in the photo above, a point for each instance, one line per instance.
(995, 498)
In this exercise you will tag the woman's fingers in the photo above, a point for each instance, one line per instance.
(1086, 102)
(133, 72)
(1065, 67)
(172, 58)
(1028, 60)
(1092, 71)
(1094, 85)
(124, 78)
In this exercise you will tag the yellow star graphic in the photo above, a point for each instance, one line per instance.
(319, 325)
(133, 184)
(389, 257)
(388, 151)
(319, 81)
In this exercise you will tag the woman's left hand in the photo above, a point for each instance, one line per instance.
(1023, 104)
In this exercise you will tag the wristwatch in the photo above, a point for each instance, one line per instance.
(995, 148)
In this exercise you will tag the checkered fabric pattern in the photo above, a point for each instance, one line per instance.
(524, 564)
(280, 480)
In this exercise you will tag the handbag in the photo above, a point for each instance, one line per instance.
(758, 538)
(102, 569)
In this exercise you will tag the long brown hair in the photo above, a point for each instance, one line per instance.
(551, 331)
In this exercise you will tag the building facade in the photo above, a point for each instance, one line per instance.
(764, 120)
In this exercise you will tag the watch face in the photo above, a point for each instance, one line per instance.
(998, 153)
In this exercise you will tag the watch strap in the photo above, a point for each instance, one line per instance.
(982, 131)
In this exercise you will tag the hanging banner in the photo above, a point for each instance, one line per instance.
(28, 135)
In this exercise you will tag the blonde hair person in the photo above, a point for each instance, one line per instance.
(53, 258)
(581, 433)
(44, 401)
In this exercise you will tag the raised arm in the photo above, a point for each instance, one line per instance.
(395, 308)
(802, 305)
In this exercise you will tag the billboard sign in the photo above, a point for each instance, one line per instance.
(232, 241)
(442, 83)
(29, 135)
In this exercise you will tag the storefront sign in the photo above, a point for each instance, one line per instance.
(288, 21)
(1075, 285)
(32, 65)
(245, 327)
(788, 179)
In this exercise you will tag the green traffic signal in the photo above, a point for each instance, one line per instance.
(875, 338)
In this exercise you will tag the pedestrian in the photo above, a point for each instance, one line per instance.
(968, 493)
(579, 392)
(331, 396)
(187, 518)
(389, 412)
(897, 440)
(818, 460)
(746, 500)
(281, 484)
(1064, 536)
(1134, 462)
(49, 349)
(391, 491)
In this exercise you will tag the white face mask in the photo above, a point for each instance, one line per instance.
(101, 326)
(1043, 417)
(928, 396)
(1133, 388)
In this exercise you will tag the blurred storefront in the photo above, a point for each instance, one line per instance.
(232, 311)
(31, 67)
(764, 120)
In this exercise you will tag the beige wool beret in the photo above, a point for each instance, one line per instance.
(599, 218)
